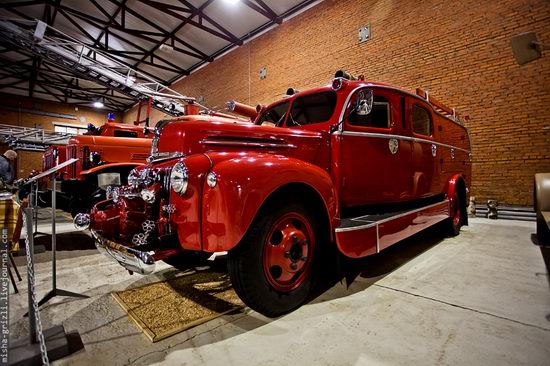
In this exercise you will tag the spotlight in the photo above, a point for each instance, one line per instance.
(98, 104)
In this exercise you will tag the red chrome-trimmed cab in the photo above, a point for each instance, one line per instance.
(357, 165)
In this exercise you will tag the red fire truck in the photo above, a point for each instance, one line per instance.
(354, 165)
(105, 156)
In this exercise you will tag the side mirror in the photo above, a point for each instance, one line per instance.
(363, 105)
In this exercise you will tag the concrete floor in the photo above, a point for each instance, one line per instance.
(481, 298)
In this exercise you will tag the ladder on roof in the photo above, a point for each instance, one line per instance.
(31, 138)
(439, 106)
(93, 64)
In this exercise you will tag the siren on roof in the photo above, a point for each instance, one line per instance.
(291, 91)
(344, 75)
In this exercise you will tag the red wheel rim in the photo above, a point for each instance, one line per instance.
(456, 209)
(288, 252)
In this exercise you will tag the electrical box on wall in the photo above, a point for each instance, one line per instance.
(364, 33)
(263, 73)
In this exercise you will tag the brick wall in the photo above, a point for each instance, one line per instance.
(28, 160)
(458, 50)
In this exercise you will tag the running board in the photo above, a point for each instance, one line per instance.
(365, 235)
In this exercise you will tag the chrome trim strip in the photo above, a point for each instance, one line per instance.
(361, 227)
(164, 156)
(340, 119)
(247, 144)
(400, 137)
(413, 211)
(377, 240)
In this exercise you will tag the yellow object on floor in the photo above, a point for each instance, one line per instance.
(8, 219)
(163, 309)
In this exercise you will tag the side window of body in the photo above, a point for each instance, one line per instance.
(379, 117)
(421, 120)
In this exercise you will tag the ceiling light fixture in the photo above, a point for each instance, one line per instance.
(232, 1)
(98, 104)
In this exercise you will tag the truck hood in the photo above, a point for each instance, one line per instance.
(213, 134)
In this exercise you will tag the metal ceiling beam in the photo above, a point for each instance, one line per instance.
(270, 11)
(195, 12)
(101, 24)
(170, 35)
(20, 3)
(198, 53)
(263, 10)
(143, 52)
(4, 86)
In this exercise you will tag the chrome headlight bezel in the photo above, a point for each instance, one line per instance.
(179, 178)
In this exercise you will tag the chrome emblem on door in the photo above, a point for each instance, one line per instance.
(434, 150)
(393, 144)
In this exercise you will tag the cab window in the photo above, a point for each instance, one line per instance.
(379, 117)
(421, 121)
(312, 108)
(125, 133)
(275, 115)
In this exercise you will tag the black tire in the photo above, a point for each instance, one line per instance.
(456, 220)
(187, 259)
(254, 267)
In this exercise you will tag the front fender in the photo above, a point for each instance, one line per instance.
(243, 185)
(99, 168)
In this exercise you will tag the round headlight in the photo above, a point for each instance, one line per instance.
(95, 158)
(179, 178)
(134, 178)
(82, 221)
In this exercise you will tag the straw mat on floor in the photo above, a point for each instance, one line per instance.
(165, 308)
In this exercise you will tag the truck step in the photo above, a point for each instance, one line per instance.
(368, 234)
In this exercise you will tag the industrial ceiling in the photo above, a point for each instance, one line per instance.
(165, 40)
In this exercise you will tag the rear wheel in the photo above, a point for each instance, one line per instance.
(456, 220)
(274, 267)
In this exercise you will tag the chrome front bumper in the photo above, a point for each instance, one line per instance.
(129, 258)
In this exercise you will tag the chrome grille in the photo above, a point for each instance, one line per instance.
(71, 153)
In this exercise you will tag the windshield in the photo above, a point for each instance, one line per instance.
(274, 116)
(313, 108)
(307, 109)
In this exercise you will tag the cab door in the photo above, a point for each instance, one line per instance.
(375, 157)
(425, 152)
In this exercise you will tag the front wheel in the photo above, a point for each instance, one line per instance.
(274, 267)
